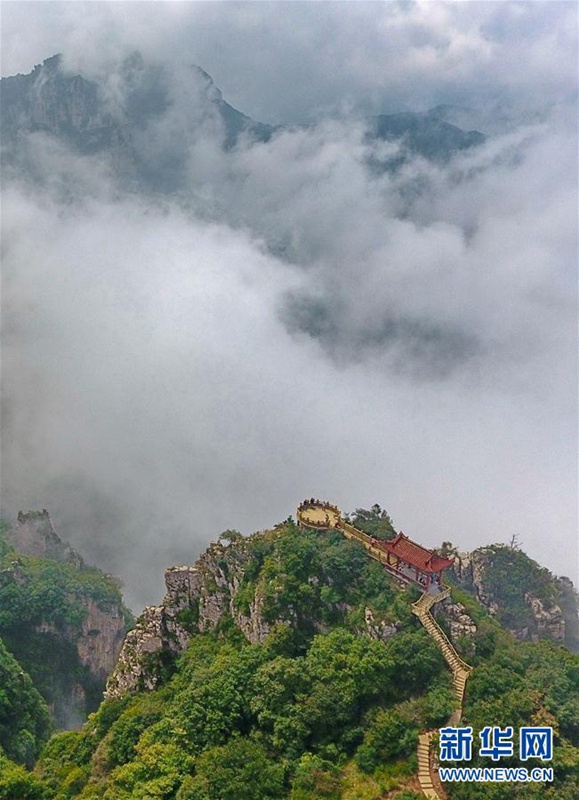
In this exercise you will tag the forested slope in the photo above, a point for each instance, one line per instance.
(62, 620)
(326, 702)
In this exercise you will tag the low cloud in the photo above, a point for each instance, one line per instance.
(290, 320)
(284, 62)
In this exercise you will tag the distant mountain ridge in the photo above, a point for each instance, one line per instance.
(119, 121)
(122, 119)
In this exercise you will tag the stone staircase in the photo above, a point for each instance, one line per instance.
(424, 774)
(459, 668)
(460, 672)
(331, 518)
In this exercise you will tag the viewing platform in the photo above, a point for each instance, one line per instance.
(402, 558)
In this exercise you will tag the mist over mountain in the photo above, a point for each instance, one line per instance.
(144, 118)
(369, 293)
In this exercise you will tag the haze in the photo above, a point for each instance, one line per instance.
(160, 382)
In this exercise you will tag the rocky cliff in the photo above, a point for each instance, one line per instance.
(316, 691)
(139, 121)
(198, 598)
(524, 597)
(226, 585)
(219, 589)
(63, 620)
(33, 534)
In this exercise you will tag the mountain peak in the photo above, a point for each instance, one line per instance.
(52, 64)
(33, 534)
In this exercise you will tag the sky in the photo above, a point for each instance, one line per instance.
(159, 384)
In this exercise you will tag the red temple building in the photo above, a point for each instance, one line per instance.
(413, 562)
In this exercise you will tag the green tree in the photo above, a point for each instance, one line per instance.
(239, 770)
(24, 720)
(18, 784)
(376, 522)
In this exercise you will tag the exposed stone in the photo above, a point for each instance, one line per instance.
(101, 638)
(557, 619)
(96, 638)
(460, 623)
(201, 596)
(253, 626)
(378, 629)
(549, 622)
(33, 534)
(198, 598)
(132, 671)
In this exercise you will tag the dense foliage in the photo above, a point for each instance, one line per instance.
(527, 684)
(43, 604)
(318, 711)
(312, 581)
(16, 783)
(244, 721)
(34, 590)
(24, 721)
(509, 573)
(508, 576)
(376, 522)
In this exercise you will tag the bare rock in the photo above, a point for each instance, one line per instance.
(460, 623)
(133, 669)
(378, 629)
(33, 534)
(549, 621)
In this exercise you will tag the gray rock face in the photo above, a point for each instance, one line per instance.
(33, 534)
(198, 598)
(100, 640)
(460, 623)
(548, 621)
(93, 641)
(133, 671)
(101, 634)
(140, 119)
(556, 619)
(378, 629)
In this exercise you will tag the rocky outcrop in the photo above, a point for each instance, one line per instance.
(378, 629)
(548, 621)
(460, 623)
(198, 599)
(100, 640)
(117, 119)
(33, 534)
(71, 642)
(526, 598)
(134, 670)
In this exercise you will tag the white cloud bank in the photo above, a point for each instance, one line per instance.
(158, 388)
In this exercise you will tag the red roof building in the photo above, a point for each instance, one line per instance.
(413, 561)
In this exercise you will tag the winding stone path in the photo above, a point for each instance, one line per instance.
(325, 516)
(460, 672)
